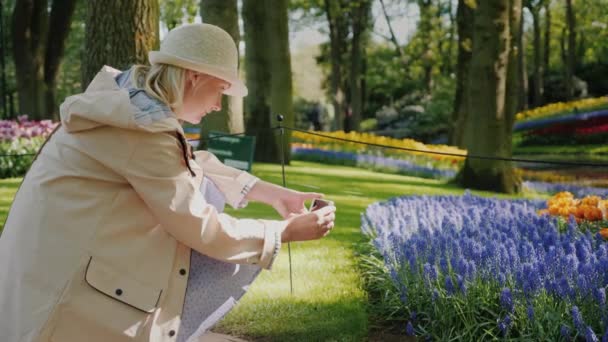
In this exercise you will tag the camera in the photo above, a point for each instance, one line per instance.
(319, 203)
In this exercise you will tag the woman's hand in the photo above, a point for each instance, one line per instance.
(309, 226)
(290, 202)
(284, 201)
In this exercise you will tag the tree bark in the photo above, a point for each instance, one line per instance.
(571, 54)
(547, 40)
(337, 37)
(279, 60)
(425, 26)
(538, 67)
(465, 17)
(119, 34)
(487, 127)
(59, 28)
(223, 13)
(29, 28)
(257, 103)
(359, 19)
(523, 69)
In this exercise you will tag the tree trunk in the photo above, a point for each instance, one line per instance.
(223, 13)
(279, 60)
(59, 28)
(465, 17)
(425, 26)
(510, 182)
(523, 69)
(119, 34)
(29, 41)
(538, 68)
(547, 49)
(360, 14)
(513, 102)
(487, 125)
(337, 36)
(257, 103)
(571, 54)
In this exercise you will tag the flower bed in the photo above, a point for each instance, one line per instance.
(469, 268)
(562, 108)
(334, 151)
(19, 141)
(412, 166)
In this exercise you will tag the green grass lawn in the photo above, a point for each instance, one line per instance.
(329, 303)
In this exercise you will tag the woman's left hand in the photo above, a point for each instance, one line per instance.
(290, 202)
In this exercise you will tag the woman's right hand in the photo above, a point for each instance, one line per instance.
(309, 226)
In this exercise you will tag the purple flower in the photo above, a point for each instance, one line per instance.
(504, 325)
(577, 318)
(600, 295)
(449, 285)
(506, 300)
(565, 332)
(590, 335)
(530, 312)
(409, 329)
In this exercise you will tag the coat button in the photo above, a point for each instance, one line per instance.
(118, 292)
(182, 271)
(172, 333)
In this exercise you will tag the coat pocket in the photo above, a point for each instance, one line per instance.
(121, 287)
(104, 304)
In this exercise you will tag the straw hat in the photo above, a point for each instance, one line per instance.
(204, 48)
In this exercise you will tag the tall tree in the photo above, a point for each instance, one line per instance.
(223, 13)
(264, 45)
(119, 33)
(571, 54)
(547, 37)
(38, 47)
(279, 59)
(425, 26)
(465, 16)
(535, 7)
(360, 13)
(338, 32)
(487, 131)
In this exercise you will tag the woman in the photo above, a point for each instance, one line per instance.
(98, 240)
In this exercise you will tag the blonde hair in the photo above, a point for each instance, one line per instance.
(162, 81)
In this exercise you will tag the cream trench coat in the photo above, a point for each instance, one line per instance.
(97, 243)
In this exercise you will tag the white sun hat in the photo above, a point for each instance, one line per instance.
(204, 48)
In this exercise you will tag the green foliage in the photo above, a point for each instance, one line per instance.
(175, 12)
(369, 124)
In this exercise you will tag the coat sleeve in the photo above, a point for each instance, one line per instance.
(157, 172)
(233, 183)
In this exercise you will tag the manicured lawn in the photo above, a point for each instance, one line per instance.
(329, 303)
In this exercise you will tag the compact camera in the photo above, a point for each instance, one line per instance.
(318, 203)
